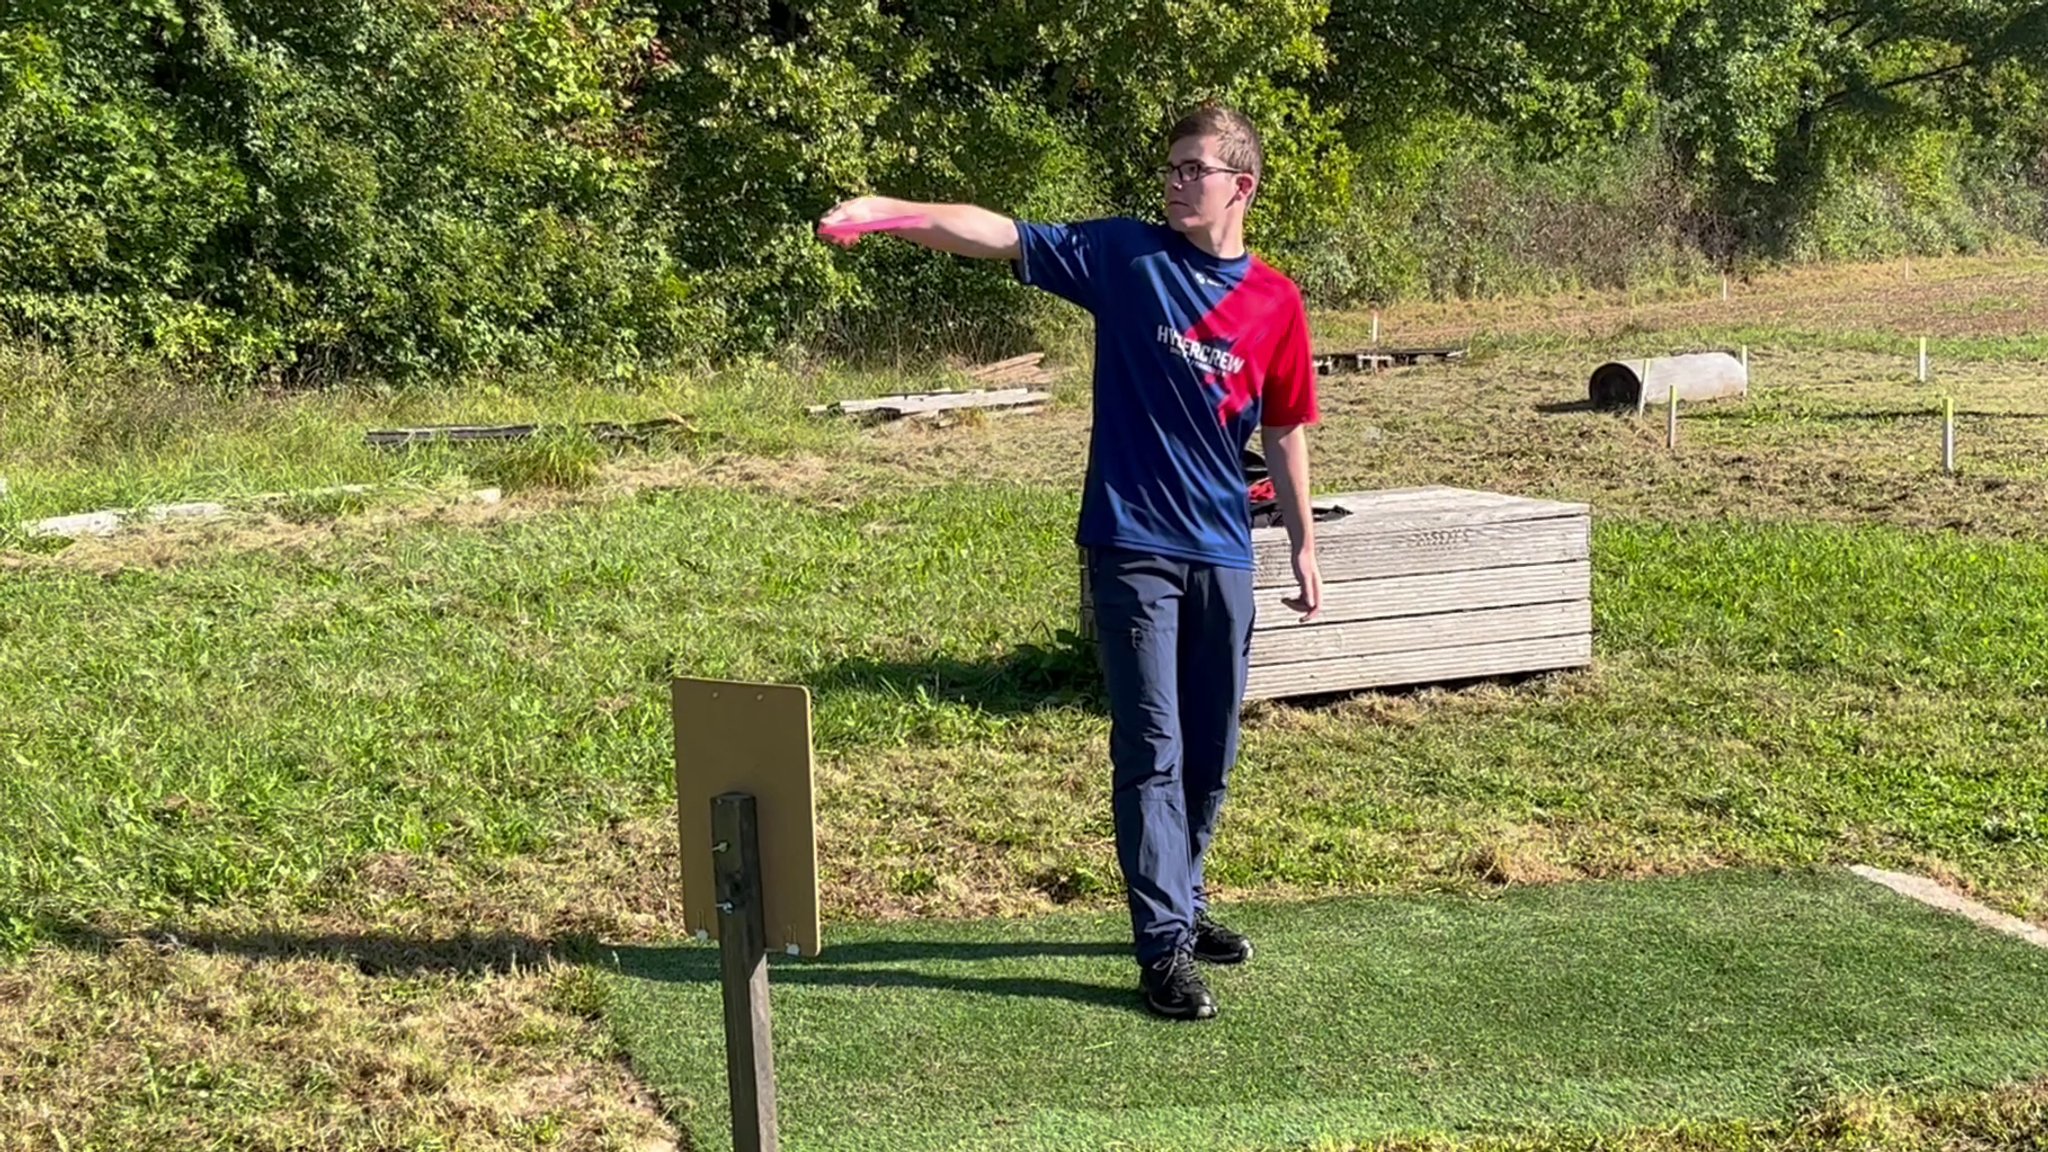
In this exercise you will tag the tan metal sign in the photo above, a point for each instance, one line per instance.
(754, 738)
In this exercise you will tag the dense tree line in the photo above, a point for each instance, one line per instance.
(319, 188)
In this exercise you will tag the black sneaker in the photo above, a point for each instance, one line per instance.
(1215, 944)
(1174, 989)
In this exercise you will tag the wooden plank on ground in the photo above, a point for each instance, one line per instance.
(1416, 668)
(1026, 369)
(917, 400)
(1401, 634)
(1451, 547)
(1346, 599)
(926, 403)
(603, 430)
(996, 368)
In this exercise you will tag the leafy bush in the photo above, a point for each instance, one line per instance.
(327, 186)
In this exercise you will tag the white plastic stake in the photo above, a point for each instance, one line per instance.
(1375, 326)
(1671, 420)
(1745, 362)
(1923, 359)
(1948, 435)
(1724, 287)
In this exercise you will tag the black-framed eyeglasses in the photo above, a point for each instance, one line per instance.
(1189, 171)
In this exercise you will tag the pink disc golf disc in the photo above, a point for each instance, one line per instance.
(848, 235)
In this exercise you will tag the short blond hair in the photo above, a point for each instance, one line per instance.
(1237, 139)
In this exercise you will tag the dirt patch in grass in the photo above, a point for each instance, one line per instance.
(177, 543)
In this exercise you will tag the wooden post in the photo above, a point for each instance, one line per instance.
(1948, 435)
(743, 956)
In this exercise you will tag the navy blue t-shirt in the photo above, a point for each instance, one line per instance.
(1192, 354)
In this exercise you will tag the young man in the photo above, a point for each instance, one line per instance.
(1197, 342)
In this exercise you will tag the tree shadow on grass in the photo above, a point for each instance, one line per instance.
(1426, 691)
(372, 953)
(1028, 678)
(851, 966)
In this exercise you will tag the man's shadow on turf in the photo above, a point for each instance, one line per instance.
(1028, 678)
(851, 966)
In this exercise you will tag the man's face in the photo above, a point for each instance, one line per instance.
(1200, 187)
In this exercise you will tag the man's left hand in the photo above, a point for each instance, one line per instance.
(1310, 601)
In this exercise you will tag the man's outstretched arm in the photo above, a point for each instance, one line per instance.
(962, 229)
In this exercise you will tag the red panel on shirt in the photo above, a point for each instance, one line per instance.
(1263, 321)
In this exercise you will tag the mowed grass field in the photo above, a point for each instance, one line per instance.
(318, 823)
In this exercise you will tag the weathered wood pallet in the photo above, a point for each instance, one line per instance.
(1375, 359)
(1422, 586)
(927, 404)
(602, 430)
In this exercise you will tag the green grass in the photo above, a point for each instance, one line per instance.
(85, 435)
(1628, 1005)
(246, 731)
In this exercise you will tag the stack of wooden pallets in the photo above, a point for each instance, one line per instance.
(1422, 586)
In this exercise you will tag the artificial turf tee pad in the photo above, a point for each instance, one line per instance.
(1723, 996)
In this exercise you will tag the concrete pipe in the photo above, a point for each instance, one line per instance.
(1698, 376)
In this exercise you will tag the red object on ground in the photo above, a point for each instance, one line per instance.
(847, 235)
(1262, 492)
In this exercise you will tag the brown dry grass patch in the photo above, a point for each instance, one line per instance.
(149, 1044)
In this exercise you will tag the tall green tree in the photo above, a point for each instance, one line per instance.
(1563, 74)
(1751, 85)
